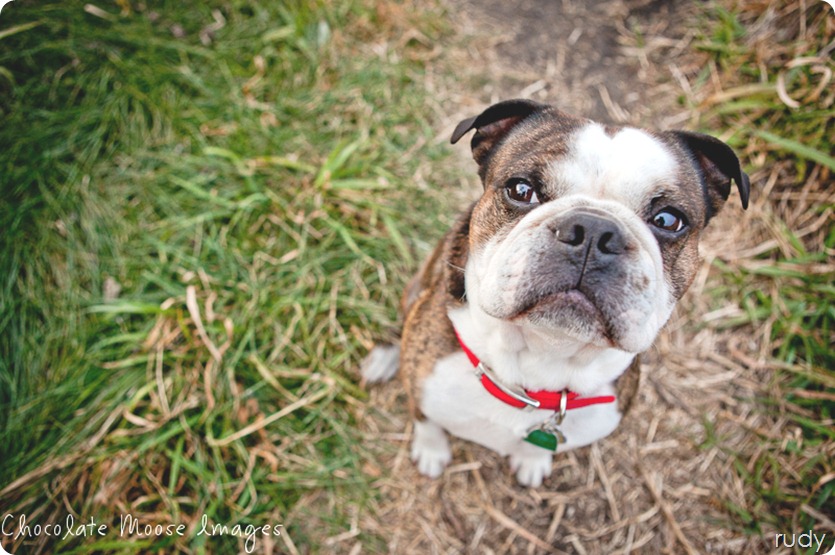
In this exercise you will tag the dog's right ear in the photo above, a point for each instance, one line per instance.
(493, 124)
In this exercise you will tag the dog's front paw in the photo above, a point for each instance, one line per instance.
(430, 449)
(532, 464)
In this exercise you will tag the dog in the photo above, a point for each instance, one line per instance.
(522, 329)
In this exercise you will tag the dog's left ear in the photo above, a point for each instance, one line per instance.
(718, 165)
(493, 124)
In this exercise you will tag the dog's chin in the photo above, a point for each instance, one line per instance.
(569, 313)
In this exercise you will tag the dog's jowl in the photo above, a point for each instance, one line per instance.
(522, 328)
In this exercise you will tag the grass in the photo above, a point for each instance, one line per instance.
(203, 220)
(771, 90)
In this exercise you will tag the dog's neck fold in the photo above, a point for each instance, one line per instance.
(525, 357)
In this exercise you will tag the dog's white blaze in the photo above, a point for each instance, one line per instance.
(625, 167)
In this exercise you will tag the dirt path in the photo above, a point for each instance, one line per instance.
(581, 56)
(652, 486)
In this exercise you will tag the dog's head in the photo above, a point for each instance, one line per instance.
(589, 231)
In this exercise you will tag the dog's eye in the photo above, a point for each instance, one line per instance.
(521, 191)
(669, 219)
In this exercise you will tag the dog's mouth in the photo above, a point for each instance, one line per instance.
(571, 310)
(571, 299)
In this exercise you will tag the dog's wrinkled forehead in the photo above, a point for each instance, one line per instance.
(626, 165)
(623, 164)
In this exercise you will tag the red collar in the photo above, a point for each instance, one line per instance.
(521, 398)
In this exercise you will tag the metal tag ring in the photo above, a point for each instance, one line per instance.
(563, 406)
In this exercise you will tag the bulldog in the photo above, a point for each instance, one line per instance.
(522, 329)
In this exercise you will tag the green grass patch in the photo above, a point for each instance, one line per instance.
(203, 227)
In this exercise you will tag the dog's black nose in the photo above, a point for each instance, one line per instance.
(586, 231)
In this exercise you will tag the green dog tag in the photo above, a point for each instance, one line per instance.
(543, 439)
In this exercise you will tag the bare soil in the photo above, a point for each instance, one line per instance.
(584, 57)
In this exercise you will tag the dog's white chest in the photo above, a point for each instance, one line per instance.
(454, 398)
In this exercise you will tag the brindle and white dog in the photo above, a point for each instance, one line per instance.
(522, 328)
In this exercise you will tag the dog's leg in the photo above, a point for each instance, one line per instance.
(381, 364)
(430, 448)
(532, 464)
